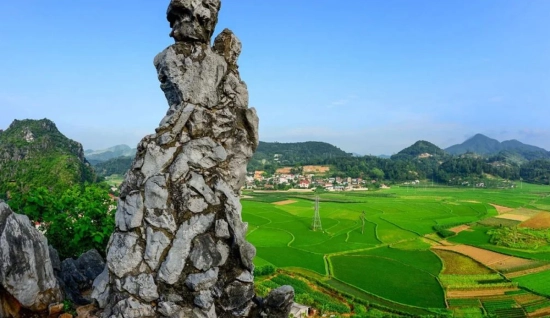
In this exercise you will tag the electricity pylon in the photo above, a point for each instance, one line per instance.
(316, 225)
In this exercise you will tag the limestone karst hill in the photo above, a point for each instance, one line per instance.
(34, 153)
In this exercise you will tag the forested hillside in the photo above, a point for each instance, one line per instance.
(112, 166)
(271, 154)
(33, 153)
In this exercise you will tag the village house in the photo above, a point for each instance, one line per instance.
(259, 175)
(304, 184)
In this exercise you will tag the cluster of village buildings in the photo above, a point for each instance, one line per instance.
(283, 179)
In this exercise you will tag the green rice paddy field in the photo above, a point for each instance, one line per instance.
(390, 257)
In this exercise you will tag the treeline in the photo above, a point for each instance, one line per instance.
(448, 169)
(536, 171)
(453, 169)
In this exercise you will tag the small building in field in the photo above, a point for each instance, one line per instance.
(299, 311)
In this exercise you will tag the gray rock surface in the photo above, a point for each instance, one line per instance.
(179, 249)
(26, 271)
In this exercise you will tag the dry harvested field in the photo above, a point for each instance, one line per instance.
(527, 298)
(513, 216)
(283, 170)
(316, 169)
(490, 259)
(479, 292)
(502, 209)
(458, 264)
(527, 271)
(285, 202)
(539, 221)
(528, 212)
(458, 229)
(544, 312)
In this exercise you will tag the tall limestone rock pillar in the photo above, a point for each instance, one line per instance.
(179, 247)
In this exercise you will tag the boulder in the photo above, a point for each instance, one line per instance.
(77, 276)
(26, 272)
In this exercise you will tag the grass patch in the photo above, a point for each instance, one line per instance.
(498, 222)
(390, 279)
(538, 282)
(476, 235)
(458, 264)
(475, 281)
(290, 257)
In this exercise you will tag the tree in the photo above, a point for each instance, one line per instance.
(80, 219)
(377, 174)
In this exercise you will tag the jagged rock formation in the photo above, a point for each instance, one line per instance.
(179, 248)
(27, 279)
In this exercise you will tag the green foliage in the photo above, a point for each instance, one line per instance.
(69, 307)
(264, 270)
(520, 238)
(80, 219)
(304, 299)
(33, 153)
(291, 154)
(418, 148)
(443, 231)
(536, 171)
(118, 165)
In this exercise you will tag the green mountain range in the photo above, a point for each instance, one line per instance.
(34, 153)
(97, 156)
(512, 149)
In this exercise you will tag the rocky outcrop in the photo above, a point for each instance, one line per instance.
(179, 248)
(27, 280)
(76, 276)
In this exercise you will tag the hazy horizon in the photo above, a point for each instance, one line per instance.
(369, 77)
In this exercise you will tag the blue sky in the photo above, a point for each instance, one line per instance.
(369, 76)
